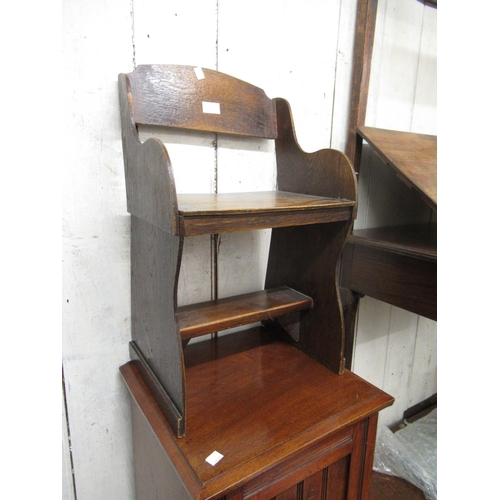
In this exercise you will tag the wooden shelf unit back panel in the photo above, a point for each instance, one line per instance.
(177, 96)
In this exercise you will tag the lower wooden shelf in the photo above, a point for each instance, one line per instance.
(283, 423)
(216, 315)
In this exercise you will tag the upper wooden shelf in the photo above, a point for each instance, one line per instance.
(229, 212)
(413, 156)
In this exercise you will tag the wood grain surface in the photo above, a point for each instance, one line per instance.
(261, 404)
(412, 156)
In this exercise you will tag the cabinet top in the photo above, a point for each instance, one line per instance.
(256, 400)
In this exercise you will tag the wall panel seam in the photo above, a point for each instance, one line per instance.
(66, 414)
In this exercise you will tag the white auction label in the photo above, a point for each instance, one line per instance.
(211, 107)
(214, 457)
(199, 73)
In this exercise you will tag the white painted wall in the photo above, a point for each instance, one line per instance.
(300, 51)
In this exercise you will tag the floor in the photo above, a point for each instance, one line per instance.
(386, 487)
(418, 438)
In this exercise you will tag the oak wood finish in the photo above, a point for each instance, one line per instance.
(412, 156)
(306, 258)
(284, 423)
(216, 315)
(273, 400)
(173, 96)
(311, 214)
(149, 177)
(412, 240)
(230, 212)
(155, 264)
(366, 16)
(396, 265)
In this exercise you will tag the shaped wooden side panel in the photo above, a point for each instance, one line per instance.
(306, 258)
(326, 172)
(156, 260)
(150, 184)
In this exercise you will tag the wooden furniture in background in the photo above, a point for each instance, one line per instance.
(274, 400)
(397, 265)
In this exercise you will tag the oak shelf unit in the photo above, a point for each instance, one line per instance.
(274, 400)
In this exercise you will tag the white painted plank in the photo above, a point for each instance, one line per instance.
(97, 331)
(245, 165)
(370, 354)
(343, 74)
(242, 262)
(395, 64)
(364, 177)
(195, 277)
(389, 201)
(424, 118)
(423, 381)
(103, 452)
(399, 363)
(284, 62)
(68, 492)
(176, 32)
(96, 312)
(192, 155)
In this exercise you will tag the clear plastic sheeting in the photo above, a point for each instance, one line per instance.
(410, 453)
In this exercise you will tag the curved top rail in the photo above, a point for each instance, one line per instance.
(196, 98)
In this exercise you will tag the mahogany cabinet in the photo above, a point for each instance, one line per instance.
(286, 426)
(273, 403)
